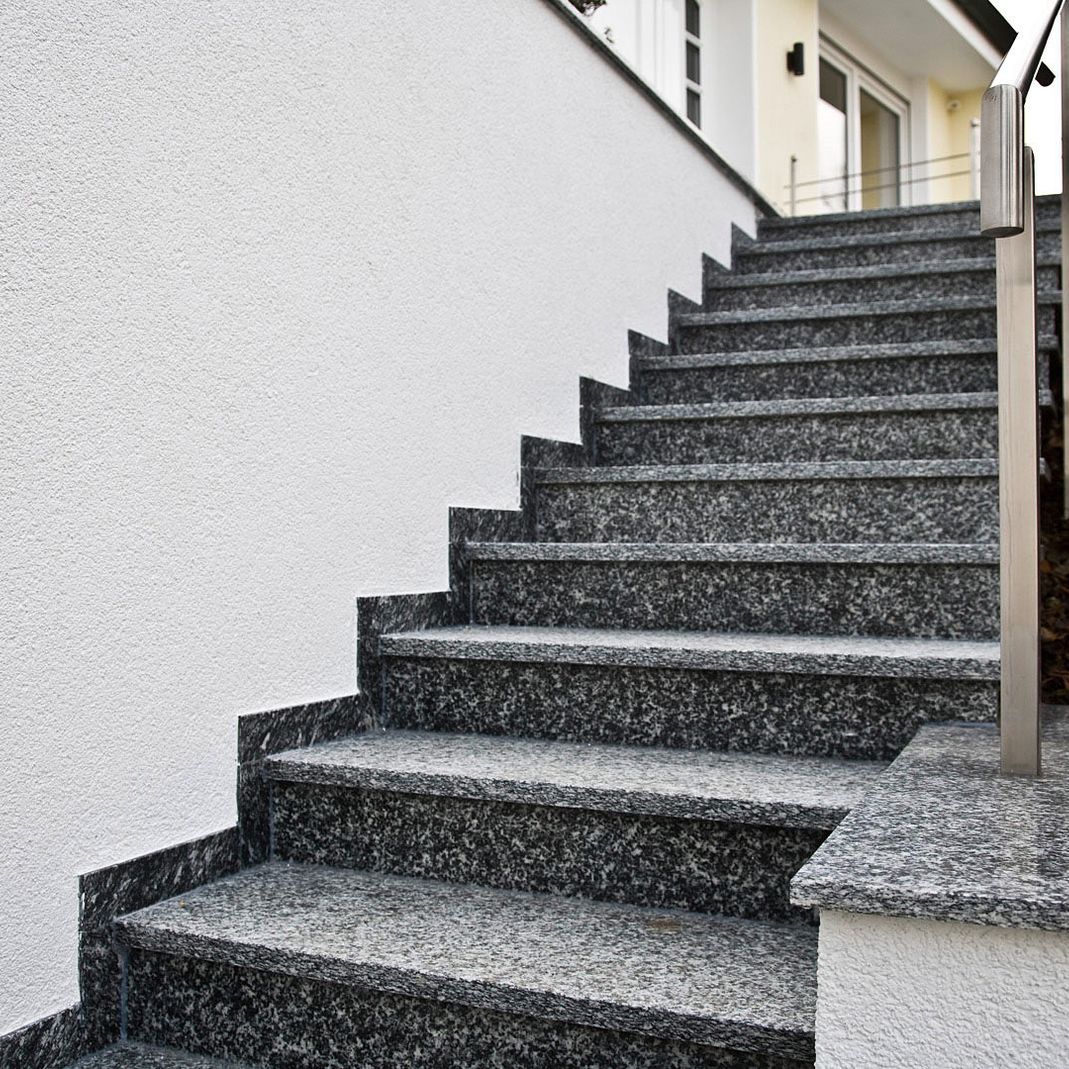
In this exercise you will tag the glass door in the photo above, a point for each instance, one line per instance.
(881, 163)
(833, 138)
(862, 137)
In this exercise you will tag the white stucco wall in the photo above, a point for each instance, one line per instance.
(895, 993)
(280, 284)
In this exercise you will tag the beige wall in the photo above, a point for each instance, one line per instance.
(786, 104)
(949, 134)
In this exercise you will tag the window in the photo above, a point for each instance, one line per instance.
(693, 62)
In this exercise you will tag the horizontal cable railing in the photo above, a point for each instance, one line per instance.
(843, 190)
(1007, 213)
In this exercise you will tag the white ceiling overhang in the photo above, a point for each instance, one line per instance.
(920, 38)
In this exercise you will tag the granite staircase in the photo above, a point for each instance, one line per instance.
(569, 841)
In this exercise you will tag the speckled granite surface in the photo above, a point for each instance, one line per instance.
(945, 836)
(687, 435)
(885, 501)
(849, 324)
(142, 1056)
(705, 650)
(838, 696)
(707, 866)
(935, 367)
(960, 216)
(713, 832)
(52, 1042)
(683, 976)
(901, 404)
(289, 1022)
(788, 588)
(697, 784)
(847, 285)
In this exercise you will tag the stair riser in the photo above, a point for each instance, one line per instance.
(843, 599)
(947, 435)
(820, 715)
(967, 220)
(302, 1022)
(657, 861)
(831, 510)
(816, 294)
(847, 330)
(824, 378)
(747, 261)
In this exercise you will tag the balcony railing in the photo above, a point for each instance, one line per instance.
(1007, 213)
(845, 192)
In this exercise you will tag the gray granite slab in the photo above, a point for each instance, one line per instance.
(835, 354)
(51, 1042)
(292, 1022)
(696, 784)
(824, 654)
(664, 862)
(865, 272)
(805, 596)
(770, 472)
(772, 711)
(744, 504)
(724, 982)
(839, 286)
(687, 435)
(945, 836)
(749, 552)
(735, 410)
(142, 1056)
(793, 314)
(857, 235)
(705, 866)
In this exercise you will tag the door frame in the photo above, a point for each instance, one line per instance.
(858, 78)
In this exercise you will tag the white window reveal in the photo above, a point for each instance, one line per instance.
(693, 61)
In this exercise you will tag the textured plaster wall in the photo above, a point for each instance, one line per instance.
(896, 993)
(280, 283)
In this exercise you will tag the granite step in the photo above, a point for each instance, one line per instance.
(831, 696)
(843, 501)
(875, 323)
(142, 1056)
(299, 964)
(852, 285)
(953, 366)
(901, 427)
(807, 588)
(963, 216)
(685, 829)
(859, 249)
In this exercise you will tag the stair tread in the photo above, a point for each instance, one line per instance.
(866, 272)
(894, 211)
(861, 309)
(885, 351)
(708, 650)
(783, 791)
(722, 981)
(749, 552)
(893, 237)
(796, 470)
(804, 406)
(142, 1056)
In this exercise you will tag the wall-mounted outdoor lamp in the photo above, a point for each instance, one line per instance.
(796, 59)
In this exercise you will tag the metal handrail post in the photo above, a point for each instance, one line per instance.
(1065, 249)
(1018, 418)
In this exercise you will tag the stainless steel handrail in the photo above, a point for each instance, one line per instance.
(1007, 212)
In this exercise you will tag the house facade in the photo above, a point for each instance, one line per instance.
(863, 105)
